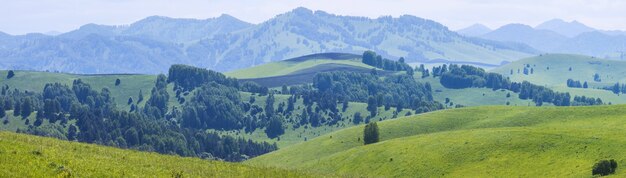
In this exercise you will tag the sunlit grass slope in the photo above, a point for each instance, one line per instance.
(297, 64)
(553, 70)
(32, 156)
(488, 141)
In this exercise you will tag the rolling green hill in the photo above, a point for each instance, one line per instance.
(294, 65)
(552, 70)
(32, 156)
(491, 141)
(472, 96)
(130, 85)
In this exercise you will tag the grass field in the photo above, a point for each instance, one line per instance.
(472, 96)
(488, 141)
(130, 85)
(552, 70)
(287, 67)
(32, 156)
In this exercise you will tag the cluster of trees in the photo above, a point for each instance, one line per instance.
(371, 133)
(372, 59)
(604, 167)
(586, 101)
(393, 91)
(23, 103)
(467, 76)
(617, 88)
(187, 78)
(423, 70)
(216, 102)
(97, 120)
(576, 84)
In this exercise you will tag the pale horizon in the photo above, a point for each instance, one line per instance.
(45, 16)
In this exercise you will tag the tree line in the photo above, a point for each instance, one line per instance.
(466, 76)
(375, 60)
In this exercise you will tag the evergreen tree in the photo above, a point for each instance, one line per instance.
(344, 106)
(27, 108)
(269, 105)
(370, 133)
(17, 109)
(284, 90)
(71, 132)
(357, 118)
(275, 127)
(2, 110)
(140, 97)
(372, 106)
(117, 82)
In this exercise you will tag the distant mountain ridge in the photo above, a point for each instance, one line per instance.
(166, 29)
(225, 43)
(558, 36)
(569, 29)
(474, 30)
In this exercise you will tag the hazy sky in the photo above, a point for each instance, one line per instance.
(24, 16)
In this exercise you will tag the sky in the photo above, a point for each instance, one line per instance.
(43, 16)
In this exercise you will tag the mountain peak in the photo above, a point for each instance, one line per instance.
(569, 29)
(474, 30)
(302, 10)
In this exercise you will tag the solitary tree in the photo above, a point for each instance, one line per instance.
(10, 74)
(370, 133)
(117, 82)
(356, 119)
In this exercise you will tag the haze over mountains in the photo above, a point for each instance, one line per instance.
(226, 43)
(558, 36)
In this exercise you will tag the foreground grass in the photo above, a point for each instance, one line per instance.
(32, 156)
(492, 141)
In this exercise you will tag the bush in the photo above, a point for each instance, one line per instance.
(370, 133)
(604, 167)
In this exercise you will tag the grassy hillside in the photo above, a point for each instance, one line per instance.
(32, 156)
(552, 70)
(296, 64)
(129, 87)
(297, 135)
(472, 96)
(491, 141)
